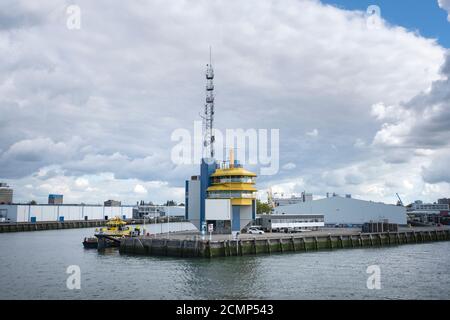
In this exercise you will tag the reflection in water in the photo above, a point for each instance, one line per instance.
(33, 266)
(224, 278)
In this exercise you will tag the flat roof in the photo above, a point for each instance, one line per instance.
(66, 205)
(289, 216)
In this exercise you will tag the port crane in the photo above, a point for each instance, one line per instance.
(399, 202)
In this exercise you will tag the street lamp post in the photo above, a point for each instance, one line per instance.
(143, 229)
(168, 225)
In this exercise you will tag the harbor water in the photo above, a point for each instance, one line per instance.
(33, 266)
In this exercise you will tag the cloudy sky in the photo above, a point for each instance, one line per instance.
(89, 112)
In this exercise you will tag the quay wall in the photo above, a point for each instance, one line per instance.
(261, 245)
(55, 225)
(50, 225)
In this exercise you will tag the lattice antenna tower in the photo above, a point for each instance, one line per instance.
(208, 115)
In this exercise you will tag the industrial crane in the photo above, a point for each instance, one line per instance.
(400, 202)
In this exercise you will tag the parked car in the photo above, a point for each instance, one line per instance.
(254, 230)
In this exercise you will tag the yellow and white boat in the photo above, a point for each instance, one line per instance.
(115, 227)
(110, 235)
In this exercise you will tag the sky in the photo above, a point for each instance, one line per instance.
(89, 112)
(426, 17)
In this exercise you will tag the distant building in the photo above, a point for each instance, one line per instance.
(444, 201)
(55, 199)
(153, 211)
(347, 211)
(418, 207)
(112, 203)
(63, 212)
(6, 194)
(279, 202)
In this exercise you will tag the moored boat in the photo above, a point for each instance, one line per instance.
(110, 235)
(90, 243)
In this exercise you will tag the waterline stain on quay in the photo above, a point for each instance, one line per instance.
(159, 246)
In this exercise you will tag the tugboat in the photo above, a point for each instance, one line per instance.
(110, 236)
(90, 243)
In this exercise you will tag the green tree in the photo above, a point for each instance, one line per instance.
(262, 207)
(171, 203)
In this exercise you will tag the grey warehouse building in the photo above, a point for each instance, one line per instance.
(347, 211)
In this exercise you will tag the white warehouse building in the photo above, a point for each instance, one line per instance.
(347, 211)
(63, 212)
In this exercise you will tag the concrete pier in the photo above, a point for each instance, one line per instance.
(55, 225)
(50, 225)
(265, 244)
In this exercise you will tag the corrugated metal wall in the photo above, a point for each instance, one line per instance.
(25, 213)
(338, 210)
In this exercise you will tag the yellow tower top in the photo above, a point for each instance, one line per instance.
(233, 182)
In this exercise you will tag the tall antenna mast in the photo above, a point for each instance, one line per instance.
(208, 116)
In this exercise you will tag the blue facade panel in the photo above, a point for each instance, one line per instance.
(254, 210)
(236, 219)
(206, 170)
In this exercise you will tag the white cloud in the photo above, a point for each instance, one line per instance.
(289, 166)
(140, 189)
(80, 104)
(395, 134)
(82, 182)
(382, 112)
(421, 124)
(438, 170)
(359, 143)
(445, 4)
(313, 133)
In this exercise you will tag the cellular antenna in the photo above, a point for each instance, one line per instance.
(208, 116)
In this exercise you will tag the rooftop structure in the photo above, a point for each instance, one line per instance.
(112, 203)
(6, 194)
(281, 201)
(55, 199)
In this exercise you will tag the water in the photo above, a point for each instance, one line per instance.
(33, 266)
